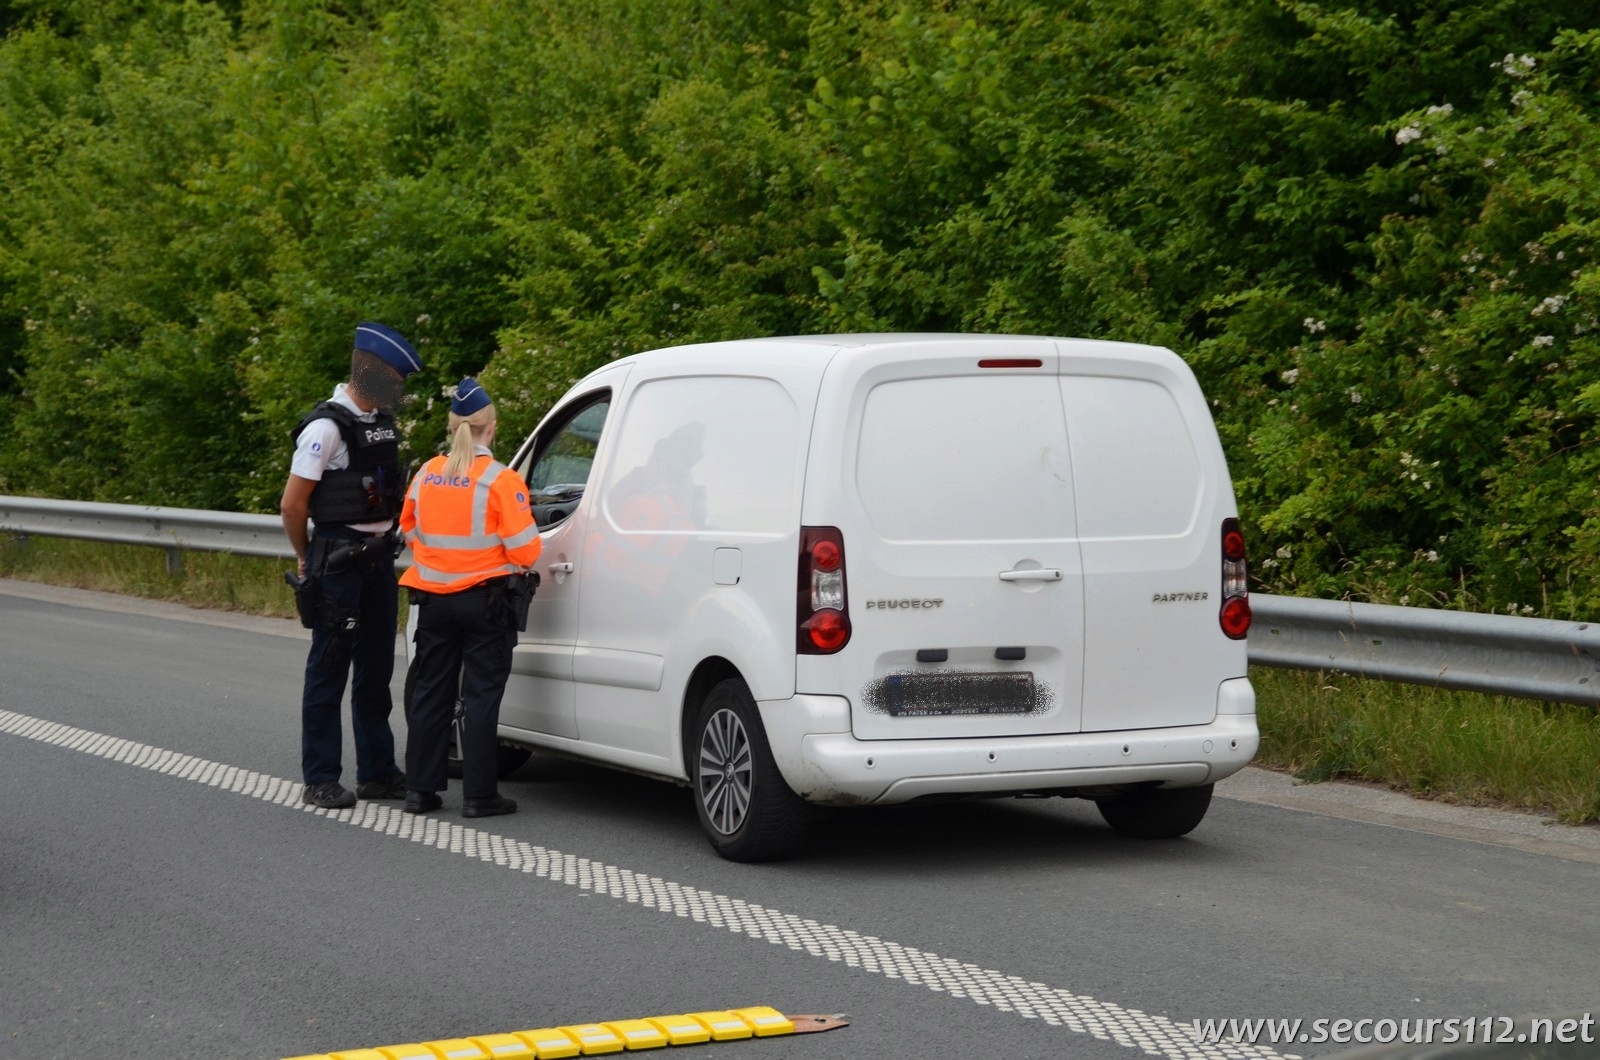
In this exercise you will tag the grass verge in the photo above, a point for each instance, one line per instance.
(1461, 747)
(218, 580)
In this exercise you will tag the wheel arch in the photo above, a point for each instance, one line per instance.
(710, 672)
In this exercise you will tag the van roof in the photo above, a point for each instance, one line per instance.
(822, 348)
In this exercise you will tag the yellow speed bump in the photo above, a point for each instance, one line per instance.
(681, 1030)
(639, 1034)
(596, 1039)
(551, 1043)
(766, 1021)
(506, 1047)
(724, 1026)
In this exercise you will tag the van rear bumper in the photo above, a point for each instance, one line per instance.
(825, 764)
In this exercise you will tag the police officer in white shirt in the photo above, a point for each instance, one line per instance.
(347, 479)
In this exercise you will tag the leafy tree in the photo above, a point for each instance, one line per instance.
(1369, 227)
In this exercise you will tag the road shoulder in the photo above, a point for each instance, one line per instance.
(138, 605)
(1374, 804)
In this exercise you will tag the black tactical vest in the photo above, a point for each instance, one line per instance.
(372, 488)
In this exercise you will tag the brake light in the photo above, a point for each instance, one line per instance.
(1011, 362)
(822, 614)
(1235, 614)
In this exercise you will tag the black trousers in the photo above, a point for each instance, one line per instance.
(366, 589)
(459, 647)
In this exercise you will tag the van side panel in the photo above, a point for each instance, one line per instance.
(1152, 490)
(692, 546)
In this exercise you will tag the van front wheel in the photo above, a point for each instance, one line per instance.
(1159, 813)
(746, 809)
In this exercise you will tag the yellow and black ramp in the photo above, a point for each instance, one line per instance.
(598, 1039)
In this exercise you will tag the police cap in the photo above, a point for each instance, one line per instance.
(389, 346)
(470, 397)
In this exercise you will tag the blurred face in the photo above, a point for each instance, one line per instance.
(376, 381)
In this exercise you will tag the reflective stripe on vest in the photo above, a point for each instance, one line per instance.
(439, 577)
(518, 540)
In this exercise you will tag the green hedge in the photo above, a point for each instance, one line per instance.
(1370, 229)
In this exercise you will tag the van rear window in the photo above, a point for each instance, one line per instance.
(968, 458)
(1137, 471)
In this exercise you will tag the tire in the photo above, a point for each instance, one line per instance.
(1159, 813)
(747, 810)
(508, 759)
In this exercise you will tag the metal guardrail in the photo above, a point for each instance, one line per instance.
(1535, 658)
(1504, 655)
(176, 529)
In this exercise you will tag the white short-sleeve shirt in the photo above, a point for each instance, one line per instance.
(320, 448)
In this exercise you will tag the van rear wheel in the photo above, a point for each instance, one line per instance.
(744, 805)
(1158, 813)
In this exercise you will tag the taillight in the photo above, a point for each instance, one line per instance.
(821, 609)
(1235, 614)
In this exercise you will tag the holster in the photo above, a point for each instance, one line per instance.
(305, 598)
(318, 610)
(509, 599)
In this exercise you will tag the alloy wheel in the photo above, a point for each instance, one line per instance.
(725, 771)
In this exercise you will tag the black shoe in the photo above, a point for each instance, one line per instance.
(493, 806)
(422, 801)
(329, 795)
(393, 788)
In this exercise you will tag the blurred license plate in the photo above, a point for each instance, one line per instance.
(933, 694)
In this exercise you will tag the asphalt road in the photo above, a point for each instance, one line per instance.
(160, 907)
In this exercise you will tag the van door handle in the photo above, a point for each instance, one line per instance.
(560, 568)
(1047, 574)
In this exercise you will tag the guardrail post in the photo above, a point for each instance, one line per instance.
(174, 561)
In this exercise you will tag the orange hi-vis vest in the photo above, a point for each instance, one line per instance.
(468, 529)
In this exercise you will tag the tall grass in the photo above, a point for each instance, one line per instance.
(209, 579)
(1456, 746)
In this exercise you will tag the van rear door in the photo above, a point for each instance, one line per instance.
(954, 493)
(1152, 490)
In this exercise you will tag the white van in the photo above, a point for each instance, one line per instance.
(873, 569)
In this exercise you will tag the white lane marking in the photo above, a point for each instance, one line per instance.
(1155, 1035)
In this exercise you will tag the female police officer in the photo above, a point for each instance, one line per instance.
(471, 528)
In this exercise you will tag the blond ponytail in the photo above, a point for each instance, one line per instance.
(464, 433)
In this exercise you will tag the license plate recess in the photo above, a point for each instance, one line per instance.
(939, 694)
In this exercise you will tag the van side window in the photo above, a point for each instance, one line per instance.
(706, 453)
(557, 470)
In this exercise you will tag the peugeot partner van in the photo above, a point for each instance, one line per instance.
(875, 569)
